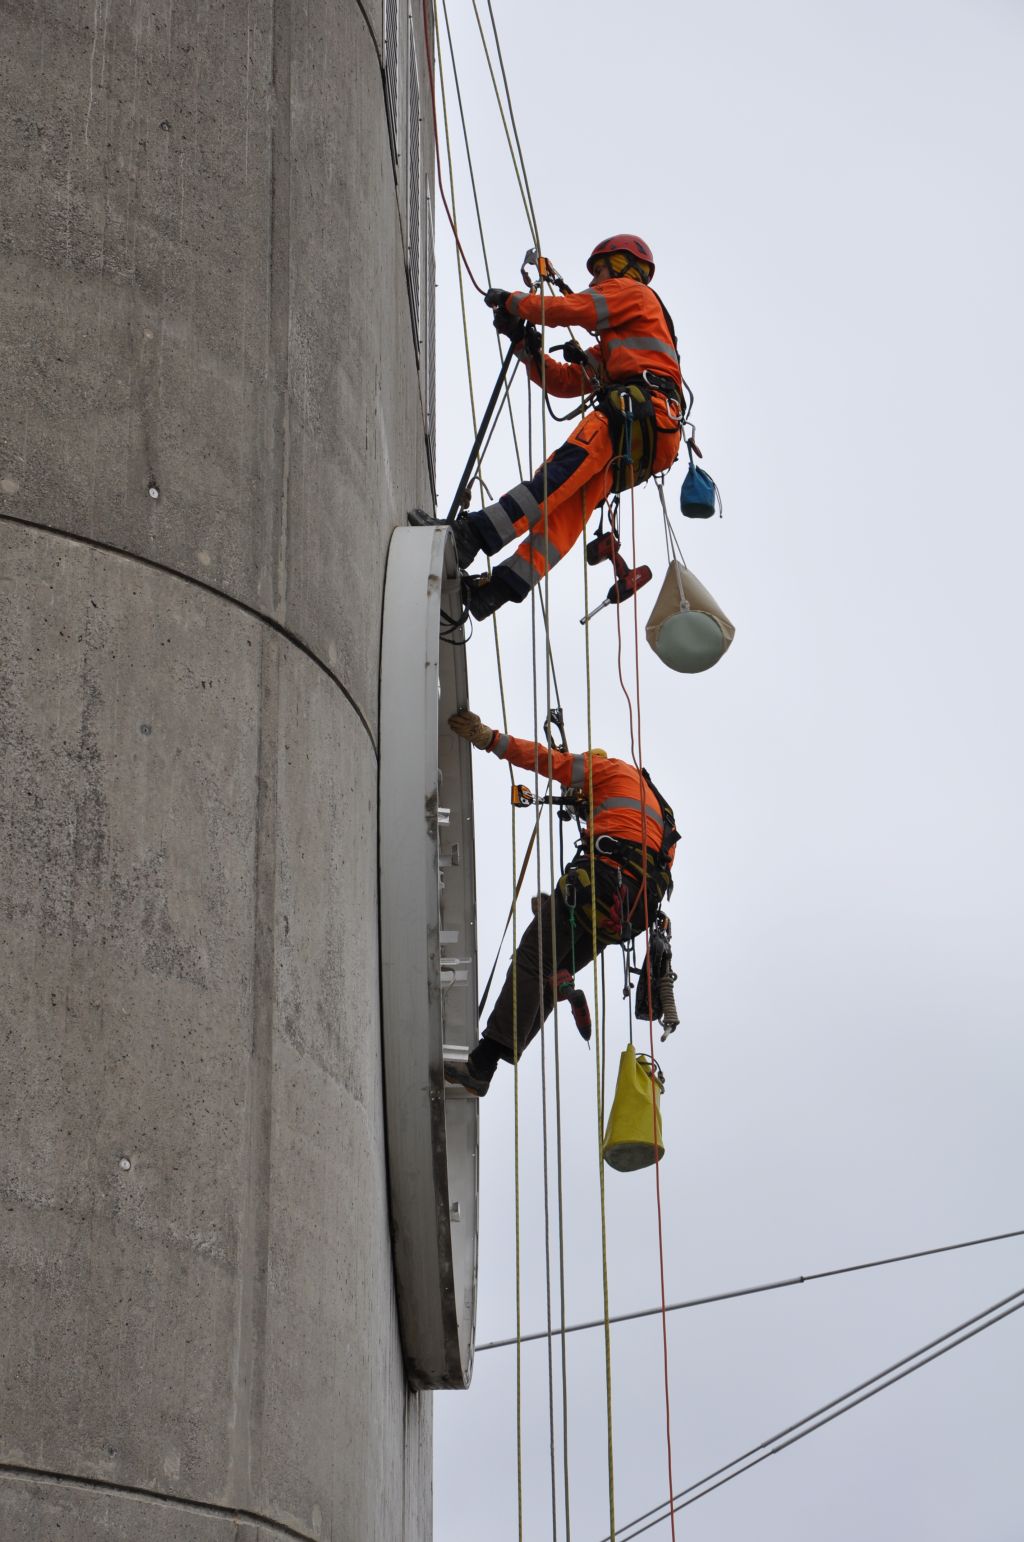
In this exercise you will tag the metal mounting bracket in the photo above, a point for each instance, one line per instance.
(428, 960)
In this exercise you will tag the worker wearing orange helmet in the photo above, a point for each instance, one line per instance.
(636, 347)
(632, 831)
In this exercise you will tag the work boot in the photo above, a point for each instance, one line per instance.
(484, 595)
(460, 1073)
(467, 542)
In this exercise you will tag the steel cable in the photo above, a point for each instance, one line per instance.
(756, 1290)
(879, 1382)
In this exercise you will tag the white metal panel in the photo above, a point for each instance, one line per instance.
(428, 959)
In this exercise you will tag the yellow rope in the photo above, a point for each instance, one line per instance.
(599, 995)
(515, 929)
(598, 1051)
(469, 374)
(552, 971)
(515, 940)
(549, 677)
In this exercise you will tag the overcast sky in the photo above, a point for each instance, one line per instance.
(832, 193)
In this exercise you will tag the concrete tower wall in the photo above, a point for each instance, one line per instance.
(211, 417)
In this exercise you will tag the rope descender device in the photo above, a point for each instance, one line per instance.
(564, 803)
(655, 994)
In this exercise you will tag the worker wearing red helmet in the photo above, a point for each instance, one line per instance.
(636, 346)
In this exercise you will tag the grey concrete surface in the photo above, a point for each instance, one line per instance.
(31, 1508)
(197, 1290)
(210, 421)
(205, 297)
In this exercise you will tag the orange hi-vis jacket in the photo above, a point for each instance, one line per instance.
(629, 322)
(623, 802)
(551, 509)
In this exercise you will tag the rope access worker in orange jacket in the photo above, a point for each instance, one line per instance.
(636, 347)
(627, 814)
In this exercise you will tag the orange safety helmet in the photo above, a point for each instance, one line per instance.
(633, 246)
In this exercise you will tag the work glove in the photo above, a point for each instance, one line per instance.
(531, 338)
(507, 326)
(496, 298)
(468, 726)
(572, 353)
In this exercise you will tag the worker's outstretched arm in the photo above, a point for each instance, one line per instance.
(559, 765)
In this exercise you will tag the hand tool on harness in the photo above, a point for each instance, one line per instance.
(564, 983)
(655, 996)
(564, 988)
(606, 546)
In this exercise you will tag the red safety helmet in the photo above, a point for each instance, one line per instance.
(632, 245)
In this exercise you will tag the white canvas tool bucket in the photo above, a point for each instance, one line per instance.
(687, 628)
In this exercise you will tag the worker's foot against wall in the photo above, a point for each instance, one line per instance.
(459, 1073)
(475, 1072)
(467, 542)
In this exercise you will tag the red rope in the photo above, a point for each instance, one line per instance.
(428, 35)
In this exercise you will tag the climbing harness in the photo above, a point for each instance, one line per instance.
(629, 407)
(632, 421)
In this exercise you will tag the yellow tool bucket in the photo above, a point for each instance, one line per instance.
(633, 1137)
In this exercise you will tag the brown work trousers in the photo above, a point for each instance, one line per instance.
(533, 963)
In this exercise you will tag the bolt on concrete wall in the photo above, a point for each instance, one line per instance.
(210, 420)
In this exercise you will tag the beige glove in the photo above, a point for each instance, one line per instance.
(468, 726)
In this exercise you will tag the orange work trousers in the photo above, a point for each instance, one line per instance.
(572, 482)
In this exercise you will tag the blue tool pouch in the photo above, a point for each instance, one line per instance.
(698, 496)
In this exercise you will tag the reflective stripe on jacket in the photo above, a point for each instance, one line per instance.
(621, 796)
(628, 320)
